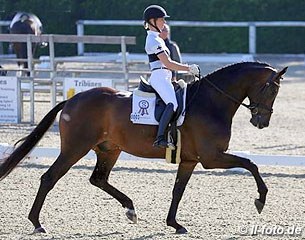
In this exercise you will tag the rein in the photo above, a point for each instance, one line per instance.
(226, 94)
(219, 90)
(254, 107)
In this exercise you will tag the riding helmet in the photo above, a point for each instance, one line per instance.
(154, 11)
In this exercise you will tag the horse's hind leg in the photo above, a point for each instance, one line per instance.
(106, 158)
(226, 161)
(59, 168)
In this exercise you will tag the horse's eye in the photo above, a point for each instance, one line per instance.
(274, 91)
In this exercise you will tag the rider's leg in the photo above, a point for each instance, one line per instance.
(160, 80)
(164, 121)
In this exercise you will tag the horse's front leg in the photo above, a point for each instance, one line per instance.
(185, 170)
(225, 160)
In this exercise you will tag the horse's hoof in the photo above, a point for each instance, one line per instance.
(181, 230)
(259, 205)
(40, 229)
(131, 215)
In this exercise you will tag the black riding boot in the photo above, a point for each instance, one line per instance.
(167, 115)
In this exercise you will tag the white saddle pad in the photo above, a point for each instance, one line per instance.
(143, 107)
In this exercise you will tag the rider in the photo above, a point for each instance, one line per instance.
(161, 65)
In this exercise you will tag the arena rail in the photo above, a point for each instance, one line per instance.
(39, 153)
(52, 70)
(250, 25)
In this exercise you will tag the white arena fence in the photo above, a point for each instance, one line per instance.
(48, 74)
(252, 26)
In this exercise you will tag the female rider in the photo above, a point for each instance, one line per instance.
(161, 66)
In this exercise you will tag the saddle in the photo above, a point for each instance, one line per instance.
(172, 156)
(144, 86)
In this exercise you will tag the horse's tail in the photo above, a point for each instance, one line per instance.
(9, 163)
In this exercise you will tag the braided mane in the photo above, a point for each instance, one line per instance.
(238, 66)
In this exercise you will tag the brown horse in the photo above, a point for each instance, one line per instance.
(98, 119)
(25, 23)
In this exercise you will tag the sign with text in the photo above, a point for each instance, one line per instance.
(8, 100)
(73, 86)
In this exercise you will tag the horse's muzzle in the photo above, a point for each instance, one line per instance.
(259, 122)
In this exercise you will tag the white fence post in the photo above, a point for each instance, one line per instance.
(80, 32)
(53, 70)
(31, 78)
(19, 101)
(252, 38)
(124, 60)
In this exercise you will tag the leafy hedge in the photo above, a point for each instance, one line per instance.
(59, 17)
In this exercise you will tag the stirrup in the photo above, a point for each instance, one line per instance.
(171, 146)
(162, 143)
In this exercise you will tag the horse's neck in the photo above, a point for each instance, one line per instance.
(234, 86)
(226, 94)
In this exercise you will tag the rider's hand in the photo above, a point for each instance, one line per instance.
(194, 69)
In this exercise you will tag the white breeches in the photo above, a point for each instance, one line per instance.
(160, 80)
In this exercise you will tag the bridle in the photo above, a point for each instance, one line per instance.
(254, 107)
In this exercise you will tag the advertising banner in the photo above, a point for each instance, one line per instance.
(73, 86)
(8, 100)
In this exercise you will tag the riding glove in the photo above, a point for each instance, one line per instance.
(194, 69)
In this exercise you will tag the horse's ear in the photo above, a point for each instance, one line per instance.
(280, 74)
(284, 70)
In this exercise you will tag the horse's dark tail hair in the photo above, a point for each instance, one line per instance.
(9, 163)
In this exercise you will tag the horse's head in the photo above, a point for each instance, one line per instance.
(263, 95)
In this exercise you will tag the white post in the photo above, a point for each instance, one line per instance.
(19, 101)
(30, 68)
(80, 32)
(124, 60)
(252, 38)
(1, 44)
(53, 70)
